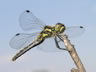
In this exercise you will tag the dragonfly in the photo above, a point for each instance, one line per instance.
(42, 35)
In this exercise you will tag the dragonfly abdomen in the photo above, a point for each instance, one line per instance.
(27, 48)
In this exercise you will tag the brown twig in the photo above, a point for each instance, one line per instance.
(74, 55)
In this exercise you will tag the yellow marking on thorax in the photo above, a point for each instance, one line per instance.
(47, 32)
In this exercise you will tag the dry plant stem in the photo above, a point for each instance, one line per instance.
(74, 55)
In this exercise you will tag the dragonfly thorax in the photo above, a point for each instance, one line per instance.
(48, 31)
(51, 31)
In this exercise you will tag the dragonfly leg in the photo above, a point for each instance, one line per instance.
(57, 45)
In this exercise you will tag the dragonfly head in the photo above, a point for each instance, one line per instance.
(59, 28)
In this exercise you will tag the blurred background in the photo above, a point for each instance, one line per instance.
(69, 12)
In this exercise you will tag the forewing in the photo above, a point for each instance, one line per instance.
(28, 21)
(21, 40)
(74, 31)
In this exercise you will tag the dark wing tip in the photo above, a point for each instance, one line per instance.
(28, 11)
(17, 34)
(81, 27)
(13, 59)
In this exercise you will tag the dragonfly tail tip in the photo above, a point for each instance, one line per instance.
(13, 59)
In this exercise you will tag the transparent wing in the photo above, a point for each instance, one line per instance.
(21, 40)
(28, 21)
(74, 31)
(49, 45)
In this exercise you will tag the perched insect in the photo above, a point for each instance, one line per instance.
(42, 34)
